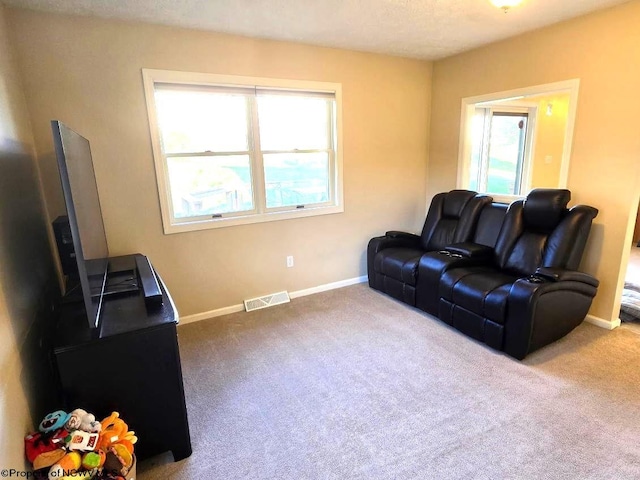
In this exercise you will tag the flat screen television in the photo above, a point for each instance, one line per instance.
(85, 216)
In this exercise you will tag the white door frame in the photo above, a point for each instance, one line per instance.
(466, 114)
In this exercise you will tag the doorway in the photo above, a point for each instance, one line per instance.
(501, 145)
(516, 140)
(630, 307)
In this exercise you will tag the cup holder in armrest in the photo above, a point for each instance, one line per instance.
(450, 254)
(535, 279)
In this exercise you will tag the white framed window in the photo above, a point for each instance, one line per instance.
(232, 150)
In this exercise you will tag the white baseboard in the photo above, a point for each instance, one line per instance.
(602, 323)
(196, 317)
(328, 286)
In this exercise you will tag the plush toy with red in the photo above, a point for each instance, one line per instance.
(47, 446)
(77, 442)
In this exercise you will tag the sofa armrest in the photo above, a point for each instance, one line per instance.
(405, 235)
(470, 250)
(562, 275)
(395, 240)
(542, 310)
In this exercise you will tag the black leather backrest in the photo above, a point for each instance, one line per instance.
(566, 243)
(489, 224)
(452, 218)
(512, 229)
(540, 231)
(544, 208)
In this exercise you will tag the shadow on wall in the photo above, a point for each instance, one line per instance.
(594, 245)
(28, 282)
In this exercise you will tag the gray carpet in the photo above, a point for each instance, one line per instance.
(350, 384)
(630, 304)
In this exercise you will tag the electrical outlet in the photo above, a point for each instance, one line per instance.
(290, 261)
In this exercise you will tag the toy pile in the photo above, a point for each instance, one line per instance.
(75, 446)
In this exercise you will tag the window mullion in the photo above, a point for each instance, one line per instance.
(295, 150)
(333, 178)
(205, 154)
(257, 161)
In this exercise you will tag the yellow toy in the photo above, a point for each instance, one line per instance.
(66, 465)
(123, 454)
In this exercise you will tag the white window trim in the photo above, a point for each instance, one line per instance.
(152, 76)
(468, 105)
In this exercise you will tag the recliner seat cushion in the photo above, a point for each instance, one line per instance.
(399, 263)
(483, 291)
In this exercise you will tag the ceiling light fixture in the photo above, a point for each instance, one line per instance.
(505, 5)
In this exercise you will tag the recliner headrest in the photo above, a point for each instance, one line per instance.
(455, 201)
(544, 208)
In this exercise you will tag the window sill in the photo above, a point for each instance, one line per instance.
(503, 198)
(189, 226)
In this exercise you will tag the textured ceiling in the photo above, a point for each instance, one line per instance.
(427, 29)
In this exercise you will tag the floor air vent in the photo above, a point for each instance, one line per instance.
(266, 301)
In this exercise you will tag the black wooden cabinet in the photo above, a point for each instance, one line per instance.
(131, 365)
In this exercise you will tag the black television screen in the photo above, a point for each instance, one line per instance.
(85, 215)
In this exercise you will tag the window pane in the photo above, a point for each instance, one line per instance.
(296, 178)
(210, 185)
(290, 123)
(506, 150)
(195, 122)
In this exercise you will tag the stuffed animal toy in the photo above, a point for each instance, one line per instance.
(69, 463)
(77, 447)
(46, 447)
(46, 459)
(118, 460)
(80, 419)
(93, 460)
(114, 430)
(36, 444)
(82, 441)
(53, 421)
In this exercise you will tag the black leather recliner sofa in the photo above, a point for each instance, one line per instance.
(513, 282)
(392, 259)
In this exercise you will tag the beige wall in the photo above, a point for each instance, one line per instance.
(26, 270)
(549, 140)
(603, 51)
(87, 73)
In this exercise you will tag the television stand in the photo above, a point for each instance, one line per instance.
(130, 364)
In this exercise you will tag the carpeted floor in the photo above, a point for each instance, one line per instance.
(350, 384)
